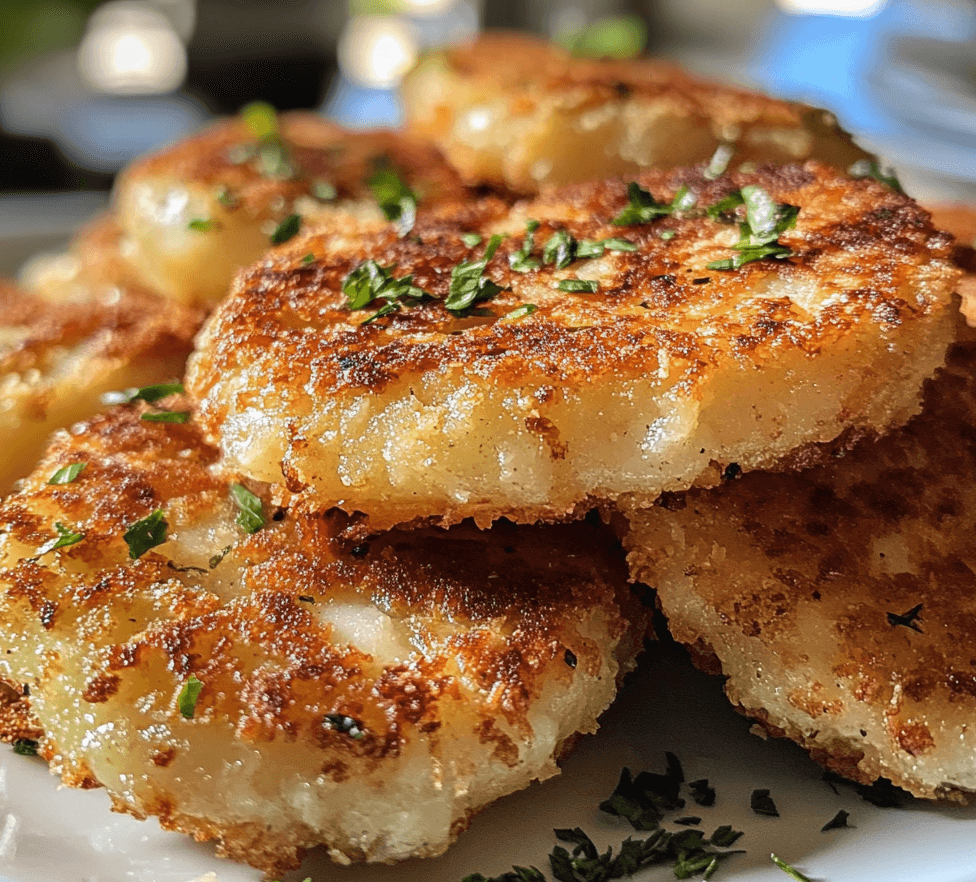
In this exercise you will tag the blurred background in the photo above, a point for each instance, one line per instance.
(87, 85)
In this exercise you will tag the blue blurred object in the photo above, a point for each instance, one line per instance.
(361, 107)
(901, 80)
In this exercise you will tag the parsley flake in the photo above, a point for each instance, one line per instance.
(468, 284)
(579, 286)
(642, 207)
(201, 225)
(369, 282)
(152, 394)
(701, 793)
(324, 191)
(308, 258)
(907, 619)
(64, 538)
(683, 200)
(472, 240)
(667, 235)
(214, 562)
(25, 747)
(766, 220)
(790, 871)
(871, 168)
(145, 534)
(522, 311)
(762, 804)
(167, 416)
(287, 229)
(836, 822)
(345, 725)
(394, 197)
(521, 261)
(560, 249)
(261, 120)
(67, 474)
(719, 162)
(226, 198)
(251, 514)
(187, 699)
(617, 244)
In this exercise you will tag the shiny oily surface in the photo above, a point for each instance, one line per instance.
(514, 110)
(196, 212)
(664, 376)
(839, 602)
(366, 696)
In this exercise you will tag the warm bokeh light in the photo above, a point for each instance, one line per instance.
(426, 7)
(130, 48)
(849, 8)
(377, 50)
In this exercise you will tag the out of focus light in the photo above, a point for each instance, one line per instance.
(377, 50)
(426, 7)
(848, 8)
(131, 49)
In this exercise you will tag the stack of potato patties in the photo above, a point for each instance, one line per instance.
(344, 589)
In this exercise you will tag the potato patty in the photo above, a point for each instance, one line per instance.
(592, 360)
(840, 603)
(58, 357)
(511, 109)
(280, 689)
(196, 212)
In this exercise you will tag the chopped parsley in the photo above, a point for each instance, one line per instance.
(145, 534)
(324, 191)
(790, 871)
(871, 168)
(201, 225)
(273, 156)
(167, 416)
(67, 474)
(468, 284)
(152, 394)
(701, 793)
(64, 538)
(907, 619)
(762, 804)
(226, 198)
(521, 261)
(719, 162)
(472, 240)
(684, 199)
(642, 800)
(369, 282)
(214, 562)
(187, 699)
(394, 197)
(579, 286)
(250, 516)
(262, 121)
(666, 235)
(617, 244)
(345, 725)
(766, 220)
(836, 822)
(25, 747)
(522, 311)
(308, 258)
(642, 207)
(560, 249)
(287, 229)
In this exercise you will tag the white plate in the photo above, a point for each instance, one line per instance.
(52, 835)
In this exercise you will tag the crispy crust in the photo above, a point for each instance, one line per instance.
(866, 262)
(791, 582)
(511, 109)
(471, 660)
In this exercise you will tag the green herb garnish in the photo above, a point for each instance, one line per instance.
(287, 229)
(308, 258)
(369, 282)
(642, 207)
(578, 286)
(187, 700)
(790, 871)
(719, 162)
(766, 220)
(908, 619)
(25, 747)
(683, 200)
(151, 394)
(836, 822)
(201, 225)
(701, 793)
(762, 804)
(521, 261)
(617, 244)
(214, 562)
(468, 284)
(64, 538)
(67, 474)
(226, 198)
(251, 514)
(870, 168)
(262, 121)
(472, 240)
(167, 416)
(667, 235)
(394, 197)
(345, 725)
(145, 534)
(560, 249)
(324, 191)
(522, 311)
